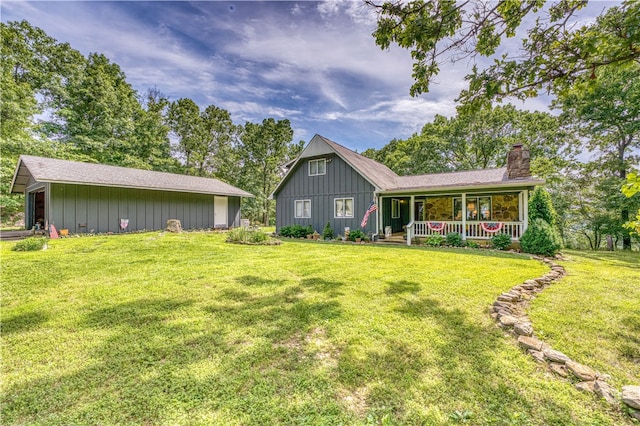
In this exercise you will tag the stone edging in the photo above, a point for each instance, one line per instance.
(509, 311)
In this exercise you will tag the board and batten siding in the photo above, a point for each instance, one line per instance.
(85, 208)
(339, 181)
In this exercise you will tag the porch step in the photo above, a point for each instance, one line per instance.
(395, 239)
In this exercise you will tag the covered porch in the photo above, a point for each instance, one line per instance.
(473, 215)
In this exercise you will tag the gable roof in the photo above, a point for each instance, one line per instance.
(379, 175)
(63, 171)
(387, 181)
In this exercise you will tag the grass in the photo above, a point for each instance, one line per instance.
(185, 329)
(594, 316)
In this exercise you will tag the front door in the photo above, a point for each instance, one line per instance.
(220, 209)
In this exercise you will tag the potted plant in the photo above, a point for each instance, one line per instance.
(327, 232)
(357, 235)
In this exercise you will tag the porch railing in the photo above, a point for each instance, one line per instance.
(471, 230)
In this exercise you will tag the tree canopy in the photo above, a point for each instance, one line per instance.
(556, 50)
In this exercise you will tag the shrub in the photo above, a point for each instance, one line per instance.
(541, 207)
(30, 244)
(296, 231)
(454, 239)
(327, 232)
(472, 244)
(540, 238)
(501, 241)
(434, 240)
(357, 233)
(248, 236)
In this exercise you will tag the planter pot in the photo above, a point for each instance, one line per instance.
(358, 240)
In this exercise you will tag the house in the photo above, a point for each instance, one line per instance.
(330, 183)
(87, 198)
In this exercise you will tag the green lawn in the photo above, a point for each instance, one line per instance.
(594, 315)
(186, 329)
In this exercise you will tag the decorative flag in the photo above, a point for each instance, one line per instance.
(372, 208)
(491, 226)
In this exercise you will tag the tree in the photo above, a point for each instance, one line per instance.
(263, 149)
(541, 207)
(630, 188)
(477, 140)
(185, 123)
(97, 113)
(606, 113)
(151, 142)
(555, 51)
(216, 156)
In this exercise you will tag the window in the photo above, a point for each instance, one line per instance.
(317, 167)
(478, 208)
(395, 208)
(303, 209)
(484, 203)
(343, 207)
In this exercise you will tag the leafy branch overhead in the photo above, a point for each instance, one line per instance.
(555, 52)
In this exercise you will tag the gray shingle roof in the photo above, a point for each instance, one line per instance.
(377, 173)
(63, 171)
(387, 181)
(463, 179)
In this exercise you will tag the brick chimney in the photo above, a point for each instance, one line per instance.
(518, 162)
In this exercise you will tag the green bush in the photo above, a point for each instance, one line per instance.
(541, 207)
(327, 232)
(30, 244)
(434, 240)
(248, 236)
(296, 231)
(472, 244)
(540, 238)
(454, 239)
(357, 233)
(501, 241)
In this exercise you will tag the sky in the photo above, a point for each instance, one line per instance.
(313, 63)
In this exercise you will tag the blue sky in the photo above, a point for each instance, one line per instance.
(314, 63)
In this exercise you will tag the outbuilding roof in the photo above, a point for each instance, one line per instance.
(53, 170)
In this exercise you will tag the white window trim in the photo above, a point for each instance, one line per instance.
(319, 160)
(295, 209)
(335, 212)
(395, 201)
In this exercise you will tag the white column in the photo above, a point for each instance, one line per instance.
(412, 208)
(525, 210)
(464, 215)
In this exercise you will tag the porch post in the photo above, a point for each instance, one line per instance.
(464, 216)
(377, 200)
(412, 213)
(412, 208)
(525, 210)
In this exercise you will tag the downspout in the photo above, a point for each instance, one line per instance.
(374, 236)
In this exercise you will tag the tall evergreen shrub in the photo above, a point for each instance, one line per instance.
(541, 207)
(540, 238)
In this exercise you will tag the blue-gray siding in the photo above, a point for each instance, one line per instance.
(340, 181)
(84, 208)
